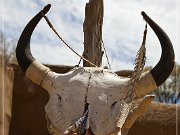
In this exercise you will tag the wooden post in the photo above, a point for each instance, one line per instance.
(93, 33)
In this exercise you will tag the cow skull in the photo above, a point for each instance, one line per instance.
(93, 98)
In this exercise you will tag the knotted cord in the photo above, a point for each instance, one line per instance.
(106, 55)
(139, 62)
(51, 26)
(139, 65)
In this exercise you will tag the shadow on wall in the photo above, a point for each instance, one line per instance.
(28, 115)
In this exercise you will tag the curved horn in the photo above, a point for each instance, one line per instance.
(164, 67)
(166, 63)
(33, 69)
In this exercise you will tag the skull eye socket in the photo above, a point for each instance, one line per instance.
(59, 97)
(113, 105)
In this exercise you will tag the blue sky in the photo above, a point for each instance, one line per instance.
(123, 28)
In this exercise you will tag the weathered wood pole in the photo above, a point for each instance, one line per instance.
(92, 28)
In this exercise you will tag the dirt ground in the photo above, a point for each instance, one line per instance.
(28, 116)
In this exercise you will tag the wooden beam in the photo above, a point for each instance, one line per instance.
(92, 28)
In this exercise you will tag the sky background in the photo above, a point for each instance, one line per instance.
(123, 28)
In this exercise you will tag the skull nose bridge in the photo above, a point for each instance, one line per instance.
(105, 89)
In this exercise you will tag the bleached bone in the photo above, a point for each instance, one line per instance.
(102, 91)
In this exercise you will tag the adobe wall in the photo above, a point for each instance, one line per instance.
(6, 87)
(160, 119)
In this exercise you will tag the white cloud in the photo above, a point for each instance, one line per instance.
(122, 28)
(57, 55)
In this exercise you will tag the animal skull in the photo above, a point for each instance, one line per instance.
(93, 95)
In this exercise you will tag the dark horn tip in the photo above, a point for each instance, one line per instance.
(143, 13)
(145, 16)
(46, 8)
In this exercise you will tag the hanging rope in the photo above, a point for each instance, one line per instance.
(139, 64)
(79, 62)
(106, 55)
(51, 26)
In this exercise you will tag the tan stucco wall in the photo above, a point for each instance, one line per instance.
(6, 88)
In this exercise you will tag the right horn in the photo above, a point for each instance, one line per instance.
(164, 67)
(33, 69)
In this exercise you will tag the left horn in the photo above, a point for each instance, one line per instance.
(33, 69)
